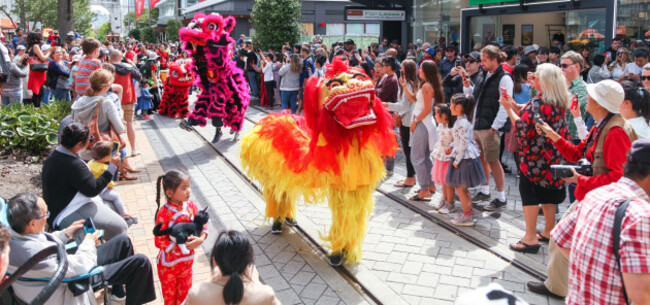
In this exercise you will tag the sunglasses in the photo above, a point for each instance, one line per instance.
(564, 66)
(472, 61)
(47, 215)
(91, 138)
(647, 77)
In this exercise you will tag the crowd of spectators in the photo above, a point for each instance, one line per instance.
(545, 105)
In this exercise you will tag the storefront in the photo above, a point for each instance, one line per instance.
(474, 23)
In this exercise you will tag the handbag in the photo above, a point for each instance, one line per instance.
(111, 135)
(37, 65)
(397, 119)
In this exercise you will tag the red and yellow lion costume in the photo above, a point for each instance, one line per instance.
(334, 153)
(174, 101)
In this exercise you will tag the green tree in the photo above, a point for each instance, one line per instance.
(135, 33)
(83, 17)
(45, 11)
(103, 30)
(276, 22)
(142, 23)
(148, 35)
(172, 28)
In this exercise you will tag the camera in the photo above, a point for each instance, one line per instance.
(562, 171)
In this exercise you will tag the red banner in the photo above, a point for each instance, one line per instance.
(139, 6)
(153, 3)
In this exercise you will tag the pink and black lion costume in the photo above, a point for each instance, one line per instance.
(224, 95)
(174, 101)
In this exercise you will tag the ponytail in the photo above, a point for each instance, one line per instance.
(233, 292)
(158, 189)
(233, 253)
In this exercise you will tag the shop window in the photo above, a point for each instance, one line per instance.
(307, 29)
(632, 22)
(335, 29)
(354, 28)
(586, 28)
(373, 28)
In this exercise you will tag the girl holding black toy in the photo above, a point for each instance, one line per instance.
(175, 267)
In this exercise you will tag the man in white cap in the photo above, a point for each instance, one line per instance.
(605, 148)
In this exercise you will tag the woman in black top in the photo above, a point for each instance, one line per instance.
(67, 181)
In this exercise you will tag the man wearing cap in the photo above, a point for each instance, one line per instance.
(454, 80)
(448, 63)
(587, 235)
(605, 147)
(349, 46)
(529, 59)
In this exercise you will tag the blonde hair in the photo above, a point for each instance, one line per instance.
(98, 80)
(553, 84)
(296, 63)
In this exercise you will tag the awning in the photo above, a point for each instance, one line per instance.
(5, 23)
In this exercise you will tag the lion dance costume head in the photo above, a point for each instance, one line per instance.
(333, 154)
(174, 101)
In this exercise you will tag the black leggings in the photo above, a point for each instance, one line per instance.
(405, 134)
(270, 93)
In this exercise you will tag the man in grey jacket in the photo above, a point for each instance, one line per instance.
(130, 275)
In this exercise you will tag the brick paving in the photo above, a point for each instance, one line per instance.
(407, 258)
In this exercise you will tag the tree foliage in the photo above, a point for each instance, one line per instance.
(45, 11)
(172, 28)
(103, 30)
(135, 33)
(276, 22)
(148, 35)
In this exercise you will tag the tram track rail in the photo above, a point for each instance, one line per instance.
(344, 271)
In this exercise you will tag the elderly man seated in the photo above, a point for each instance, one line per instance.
(130, 275)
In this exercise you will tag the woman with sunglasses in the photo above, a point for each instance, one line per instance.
(618, 66)
(70, 189)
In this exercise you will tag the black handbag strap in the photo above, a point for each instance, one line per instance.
(618, 221)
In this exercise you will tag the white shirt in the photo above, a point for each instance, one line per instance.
(641, 127)
(268, 72)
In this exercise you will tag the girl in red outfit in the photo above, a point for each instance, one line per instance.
(174, 267)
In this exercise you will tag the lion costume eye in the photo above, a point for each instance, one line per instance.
(175, 73)
(334, 83)
(212, 26)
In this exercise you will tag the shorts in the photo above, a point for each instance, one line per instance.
(129, 111)
(488, 143)
(533, 194)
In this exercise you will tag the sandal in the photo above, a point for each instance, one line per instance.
(131, 171)
(417, 198)
(526, 249)
(542, 238)
(125, 176)
(402, 184)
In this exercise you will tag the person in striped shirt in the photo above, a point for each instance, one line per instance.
(88, 64)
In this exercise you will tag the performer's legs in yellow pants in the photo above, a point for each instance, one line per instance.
(350, 213)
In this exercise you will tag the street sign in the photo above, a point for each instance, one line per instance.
(375, 15)
(477, 2)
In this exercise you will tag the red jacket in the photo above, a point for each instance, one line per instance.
(617, 144)
(124, 76)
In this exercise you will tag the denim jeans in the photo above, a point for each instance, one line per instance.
(253, 83)
(10, 97)
(61, 94)
(289, 99)
(46, 95)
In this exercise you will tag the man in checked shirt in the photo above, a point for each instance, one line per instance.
(586, 238)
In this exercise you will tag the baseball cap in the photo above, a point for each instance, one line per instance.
(349, 41)
(475, 55)
(640, 151)
(529, 49)
(20, 47)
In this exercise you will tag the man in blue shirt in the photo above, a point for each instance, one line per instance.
(18, 39)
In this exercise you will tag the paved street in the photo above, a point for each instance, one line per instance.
(407, 258)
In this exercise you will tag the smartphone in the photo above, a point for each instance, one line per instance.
(538, 119)
(89, 226)
(115, 148)
(458, 64)
(574, 102)
(504, 93)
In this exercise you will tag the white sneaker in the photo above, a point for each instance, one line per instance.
(113, 300)
(135, 153)
(463, 221)
(441, 204)
(448, 208)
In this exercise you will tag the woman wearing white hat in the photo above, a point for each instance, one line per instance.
(606, 147)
